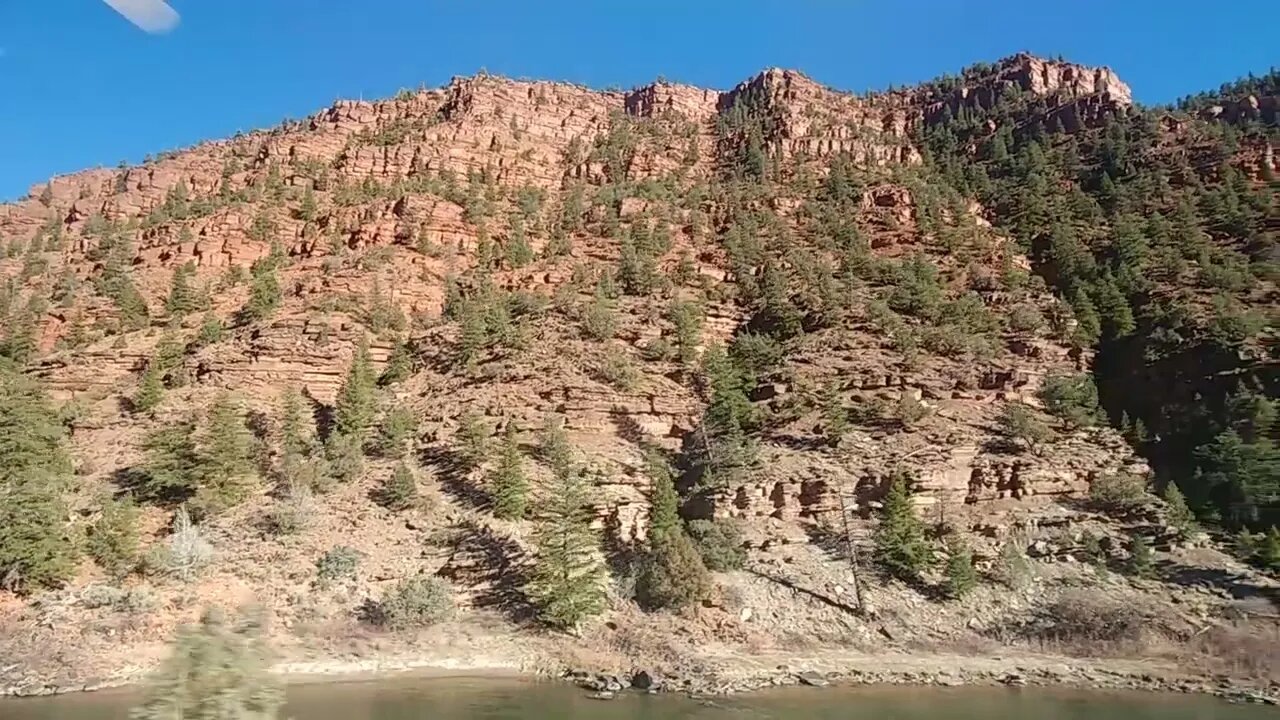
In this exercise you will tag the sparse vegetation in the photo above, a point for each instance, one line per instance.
(415, 603)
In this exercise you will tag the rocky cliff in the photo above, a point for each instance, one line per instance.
(779, 209)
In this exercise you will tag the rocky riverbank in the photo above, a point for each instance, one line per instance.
(921, 670)
(605, 686)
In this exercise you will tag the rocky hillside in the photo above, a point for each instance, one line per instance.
(794, 298)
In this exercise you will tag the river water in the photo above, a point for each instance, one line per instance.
(503, 699)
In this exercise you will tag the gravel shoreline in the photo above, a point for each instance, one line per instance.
(1072, 673)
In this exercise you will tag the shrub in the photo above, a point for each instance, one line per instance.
(719, 542)
(291, 514)
(1014, 569)
(1019, 424)
(185, 554)
(673, 574)
(1026, 318)
(618, 371)
(1073, 398)
(1118, 492)
(416, 602)
(339, 563)
(600, 319)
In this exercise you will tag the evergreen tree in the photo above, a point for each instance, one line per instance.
(962, 578)
(264, 291)
(508, 485)
(1073, 398)
(1177, 512)
(721, 448)
(1019, 424)
(553, 446)
(400, 491)
(472, 440)
(300, 463)
(900, 544)
(1141, 563)
(396, 432)
(183, 299)
(399, 365)
(171, 467)
(568, 579)
(664, 503)
(218, 670)
(687, 318)
(473, 334)
(835, 416)
(210, 330)
(353, 413)
(151, 389)
(35, 551)
(673, 574)
(226, 457)
(112, 540)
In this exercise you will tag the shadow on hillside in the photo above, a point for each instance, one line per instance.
(135, 482)
(492, 567)
(1240, 586)
(820, 597)
(829, 540)
(448, 467)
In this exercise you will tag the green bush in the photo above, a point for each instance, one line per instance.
(416, 602)
(1118, 492)
(673, 574)
(339, 563)
(719, 542)
(1073, 398)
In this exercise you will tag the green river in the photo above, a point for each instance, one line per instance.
(500, 699)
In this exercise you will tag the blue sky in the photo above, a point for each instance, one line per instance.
(82, 87)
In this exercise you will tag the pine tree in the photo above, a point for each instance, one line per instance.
(508, 485)
(473, 333)
(112, 540)
(568, 579)
(472, 440)
(396, 432)
(664, 503)
(171, 467)
(218, 671)
(354, 411)
(35, 550)
(962, 578)
(399, 365)
(183, 299)
(900, 544)
(264, 292)
(1141, 563)
(400, 491)
(835, 417)
(226, 457)
(150, 389)
(210, 330)
(720, 448)
(553, 447)
(1177, 512)
(300, 463)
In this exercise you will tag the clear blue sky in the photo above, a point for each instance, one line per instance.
(81, 87)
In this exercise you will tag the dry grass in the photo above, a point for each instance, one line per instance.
(1248, 648)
